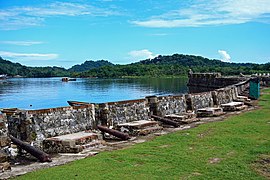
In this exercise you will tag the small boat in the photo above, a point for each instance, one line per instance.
(66, 79)
(77, 103)
(3, 76)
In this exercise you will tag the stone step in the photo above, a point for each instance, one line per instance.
(70, 143)
(210, 112)
(150, 130)
(92, 144)
(190, 120)
(184, 118)
(176, 117)
(243, 98)
(142, 127)
(233, 106)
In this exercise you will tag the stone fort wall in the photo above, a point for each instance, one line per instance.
(36, 125)
(202, 82)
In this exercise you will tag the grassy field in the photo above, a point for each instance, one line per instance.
(237, 148)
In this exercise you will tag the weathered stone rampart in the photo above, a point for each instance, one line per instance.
(36, 125)
(201, 82)
(113, 113)
(164, 105)
(202, 100)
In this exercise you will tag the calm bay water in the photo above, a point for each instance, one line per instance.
(52, 92)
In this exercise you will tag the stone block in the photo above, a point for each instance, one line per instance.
(2, 124)
(175, 117)
(242, 98)
(4, 166)
(142, 127)
(3, 156)
(184, 118)
(69, 143)
(233, 106)
(209, 112)
(149, 130)
(4, 141)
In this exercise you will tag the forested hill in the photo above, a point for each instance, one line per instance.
(184, 60)
(194, 61)
(88, 65)
(13, 69)
(174, 65)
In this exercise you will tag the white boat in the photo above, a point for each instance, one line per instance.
(3, 76)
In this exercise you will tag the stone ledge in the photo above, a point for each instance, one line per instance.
(233, 106)
(183, 118)
(70, 143)
(142, 127)
(127, 102)
(242, 99)
(209, 112)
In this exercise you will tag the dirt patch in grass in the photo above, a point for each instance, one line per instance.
(205, 133)
(164, 146)
(231, 153)
(262, 165)
(214, 160)
(190, 176)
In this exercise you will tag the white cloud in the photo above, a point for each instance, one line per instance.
(224, 56)
(159, 34)
(211, 12)
(141, 54)
(21, 43)
(20, 17)
(28, 56)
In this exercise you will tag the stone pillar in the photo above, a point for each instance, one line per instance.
(233, 91)
(189, 102)
(214, 97)
(92, 117)
(4, 140)
(103, 114)
(153, 105)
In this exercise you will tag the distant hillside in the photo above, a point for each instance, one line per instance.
(175, 65)
(184, 60)
(88, 65)
(13, 69)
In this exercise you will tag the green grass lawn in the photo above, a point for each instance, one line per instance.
(231, 149)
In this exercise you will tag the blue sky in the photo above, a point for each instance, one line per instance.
(65, 33)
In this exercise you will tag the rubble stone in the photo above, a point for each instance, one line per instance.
(3, 156)
(4, 141)
(5, 166)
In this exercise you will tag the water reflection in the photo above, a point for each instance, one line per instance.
(37, 93)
